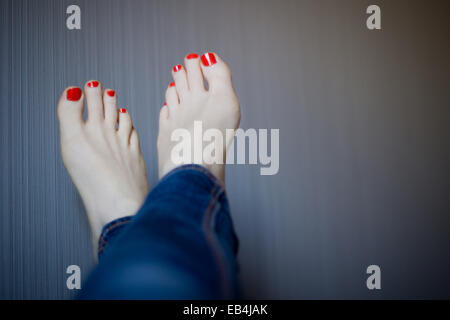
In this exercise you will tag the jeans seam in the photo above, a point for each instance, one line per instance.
(103, 240)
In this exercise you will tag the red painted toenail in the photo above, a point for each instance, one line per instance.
(111, 93)
(74, 94)
(192, 56)
(165, 104)
(177, 67)
(93, 84)
(172, 84)
(123, 110)
(208, 59)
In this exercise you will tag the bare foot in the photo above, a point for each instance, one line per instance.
(188, 101)
(105, 163)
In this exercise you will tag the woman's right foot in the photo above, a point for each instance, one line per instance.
(188, 101)
(102, 155)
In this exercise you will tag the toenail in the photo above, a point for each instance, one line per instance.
(165, 104)
(123, 110)
(111, 93)
(74, 94)
(208, 59)
(172, 84)
(192, 56)
(177, 67)
(93, 84)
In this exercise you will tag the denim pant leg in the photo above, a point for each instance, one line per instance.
(180, 245)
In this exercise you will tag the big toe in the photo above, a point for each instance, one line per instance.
(216, 72)
(70, 110)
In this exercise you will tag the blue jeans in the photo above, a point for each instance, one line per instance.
(180, 245)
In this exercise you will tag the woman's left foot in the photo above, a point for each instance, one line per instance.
(102, 154)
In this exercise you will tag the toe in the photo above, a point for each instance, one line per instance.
(180, 79)
(164, 115)
(216, 72)
(70, 110)
(194, 73)
(172, 96)
(110, 103)
(134, 141)
(125, 125)
(93, 90)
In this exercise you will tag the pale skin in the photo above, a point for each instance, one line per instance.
(102, 154)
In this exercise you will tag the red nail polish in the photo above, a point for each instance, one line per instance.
(93, 84)
(110, 93)
(208, 59)
(172, 84)
(177, 67)
(165, 104)
(123, 110)
(192, 56)
(74, 94)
